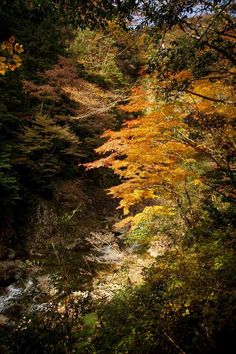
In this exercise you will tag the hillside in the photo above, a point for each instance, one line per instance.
(117, 177)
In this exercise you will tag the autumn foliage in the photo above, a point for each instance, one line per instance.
(148, 96)
(10, 58)
(158, 155)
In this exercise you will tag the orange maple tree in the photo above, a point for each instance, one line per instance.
(155, 155)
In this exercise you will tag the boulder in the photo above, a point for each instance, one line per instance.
(11, 271)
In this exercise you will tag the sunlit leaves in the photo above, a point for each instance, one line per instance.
(147, 153)
(159, 155)
(10, 58)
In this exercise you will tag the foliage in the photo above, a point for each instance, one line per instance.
(51, 331)
(175, 160)
(73, 13)
(13, 110)
(158, 155)
(8, 180)
(133, 47)
(45, 150)
(95, 54)
(10, 59)
(187, 303)
(176, 164)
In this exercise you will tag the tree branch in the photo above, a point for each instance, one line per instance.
(207, 97)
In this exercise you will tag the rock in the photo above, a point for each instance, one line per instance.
(45, 285)
(10, 271)
(159, 247)
(9, 302)
(3, 320)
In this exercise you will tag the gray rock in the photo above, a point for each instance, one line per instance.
(10, 271)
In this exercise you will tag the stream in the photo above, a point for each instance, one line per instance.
(99, 272)
(39, 287)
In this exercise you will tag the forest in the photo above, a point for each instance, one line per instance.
(117, 176)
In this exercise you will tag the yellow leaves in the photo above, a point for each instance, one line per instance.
(208, 92)
(152, 211)
(18, 48)
(104, 162)
(232, 70)
(134, 197)
(3, 65)
(190, 161)
(155, 155)
(204, 106)
(148, 213)
(17, 60)
(10, 60)
(226, 110)
(197, 182)
(8, 45)
(158, 210)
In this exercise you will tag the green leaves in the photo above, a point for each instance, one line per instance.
(95, 53)
(90, 321)
(45, 149)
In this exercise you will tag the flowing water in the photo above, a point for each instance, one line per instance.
(36, 292)
(99, 272)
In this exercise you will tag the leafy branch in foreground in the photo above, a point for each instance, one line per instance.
(10, 59)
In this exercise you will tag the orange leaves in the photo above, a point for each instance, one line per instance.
(183, 75)
(146, 153)
(138, 101)
(10, 60)
(158, 156)
(18, 48)
(133, 198)
(213, 91)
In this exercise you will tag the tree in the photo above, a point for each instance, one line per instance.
(167, 152)
(45, 152)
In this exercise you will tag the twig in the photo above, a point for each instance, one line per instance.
(106, 242)
(175, 344)
(207, 97)
(101, 110)
(214, 20)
